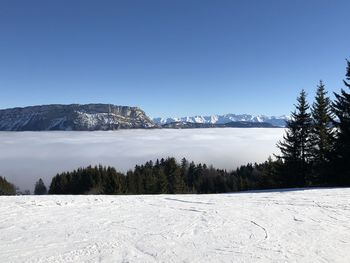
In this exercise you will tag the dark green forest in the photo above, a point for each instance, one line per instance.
(315, 151)
(165, 176)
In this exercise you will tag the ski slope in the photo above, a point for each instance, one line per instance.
(276, 226)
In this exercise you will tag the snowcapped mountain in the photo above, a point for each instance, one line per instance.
(278, 121)
(90, 117)
(86, 117)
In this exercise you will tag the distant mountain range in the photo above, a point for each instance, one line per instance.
(278, 121)
(87, 117)
(92, 117)
(232, 124)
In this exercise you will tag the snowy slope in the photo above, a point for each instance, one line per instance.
(290, 226)
(278, 121)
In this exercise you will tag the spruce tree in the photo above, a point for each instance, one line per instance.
(296, 145)
(40, 188)
(321, 136)
(341, 108)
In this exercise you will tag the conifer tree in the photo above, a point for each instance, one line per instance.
(150, 180)
(171, 170)
(130, 183)
(163, 187)
(341, 108)
(55, 186)
(269, 177)
(139, 182)
(40, 188)
(179, 183)
(6, 188)
(321, 135)
(296, 144)
(190, 177)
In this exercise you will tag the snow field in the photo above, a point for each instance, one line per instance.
(276, 226)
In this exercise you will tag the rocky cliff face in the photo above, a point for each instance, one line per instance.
(87, 117)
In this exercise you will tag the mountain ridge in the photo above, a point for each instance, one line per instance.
(80, 117)
(100, 116)
(232, 124)
(278, 121)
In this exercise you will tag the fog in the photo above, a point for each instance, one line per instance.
(27, 156)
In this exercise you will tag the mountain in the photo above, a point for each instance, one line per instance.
(86, 117)
(279, 121)
(91, 117)
(232, 124)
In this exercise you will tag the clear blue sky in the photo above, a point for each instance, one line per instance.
(172, 58)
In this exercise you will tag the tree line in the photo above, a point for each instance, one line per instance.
(315, 151)
(164, 176)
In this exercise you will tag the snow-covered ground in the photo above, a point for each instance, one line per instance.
(287, 226)
(27, 156)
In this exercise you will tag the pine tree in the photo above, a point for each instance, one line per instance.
(130, 183)
(296, 144)
(269, 177)
(341, 108)
(56, 186)
(6, 188)
(40, 188)
(171, 169)
(162, 182)
(179, 183)
(150, 180)
(139, 180)
(190, 177)
(321, 135)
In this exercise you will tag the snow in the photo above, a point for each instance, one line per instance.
(57, 122)
(272, 226)
(27, 156)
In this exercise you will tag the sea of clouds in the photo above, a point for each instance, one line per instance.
(27, 156)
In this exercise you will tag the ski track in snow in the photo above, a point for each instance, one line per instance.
(270, 226)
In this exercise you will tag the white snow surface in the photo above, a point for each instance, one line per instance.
(27, 156)
(277, 226)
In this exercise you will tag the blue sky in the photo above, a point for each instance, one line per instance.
(172, 58)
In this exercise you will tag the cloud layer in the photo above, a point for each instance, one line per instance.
(27, 156)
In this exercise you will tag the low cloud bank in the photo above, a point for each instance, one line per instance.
(27, 156)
